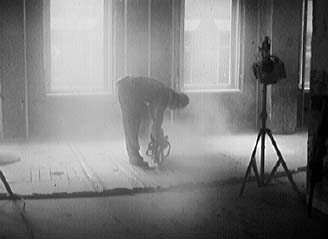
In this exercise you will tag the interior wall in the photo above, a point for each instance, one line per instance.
(145, 42)
(136, 37)
(12, 68)
(286, 44)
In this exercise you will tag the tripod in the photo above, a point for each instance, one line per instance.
(260, 176)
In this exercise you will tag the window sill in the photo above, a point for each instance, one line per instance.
(306, 87)
(78, 94)
(306, 90)
(212, 91)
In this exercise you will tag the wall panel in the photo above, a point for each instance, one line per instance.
(12, 68)
(137, 37)
(161, 40)
(286, 43)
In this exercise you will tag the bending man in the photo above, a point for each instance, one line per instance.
(137, 95)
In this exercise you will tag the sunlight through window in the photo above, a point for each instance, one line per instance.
(210, 44)
(77, 46)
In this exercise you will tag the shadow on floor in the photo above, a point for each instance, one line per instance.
(211, 211)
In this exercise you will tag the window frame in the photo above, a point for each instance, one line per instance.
(302, 84)
(108, 56)
(235, 59)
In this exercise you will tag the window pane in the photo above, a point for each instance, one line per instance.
(76, 36)
(207, 44)
(308, 46)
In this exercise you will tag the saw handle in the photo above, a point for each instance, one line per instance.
(158, 152)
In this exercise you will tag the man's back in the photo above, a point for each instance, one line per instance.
(146, 89)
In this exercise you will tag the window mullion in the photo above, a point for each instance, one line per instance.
(106, 37)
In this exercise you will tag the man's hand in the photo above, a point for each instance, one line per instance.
(157, 146)
(163, 143)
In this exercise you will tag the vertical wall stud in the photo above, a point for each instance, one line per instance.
(25, 74)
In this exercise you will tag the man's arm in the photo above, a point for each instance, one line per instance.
(156, 115)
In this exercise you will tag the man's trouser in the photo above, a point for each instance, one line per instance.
(133, 111)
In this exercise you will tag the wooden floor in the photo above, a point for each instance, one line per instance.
(100, 165)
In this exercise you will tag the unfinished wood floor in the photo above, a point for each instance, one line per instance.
(99, 165)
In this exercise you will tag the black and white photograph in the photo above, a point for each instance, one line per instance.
(146, 119)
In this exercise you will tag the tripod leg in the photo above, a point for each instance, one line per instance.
(262, 161)
(245, 178)
(289, 176)
(283, 163)
(256, 172)
(309, 204)
(251, 164)
(7, 186)
(254, 161)
(273, 171)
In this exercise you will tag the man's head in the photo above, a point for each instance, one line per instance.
(178, 100)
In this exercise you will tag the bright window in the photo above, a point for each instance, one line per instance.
(306, 50)
(77, 46)
(211, 44)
